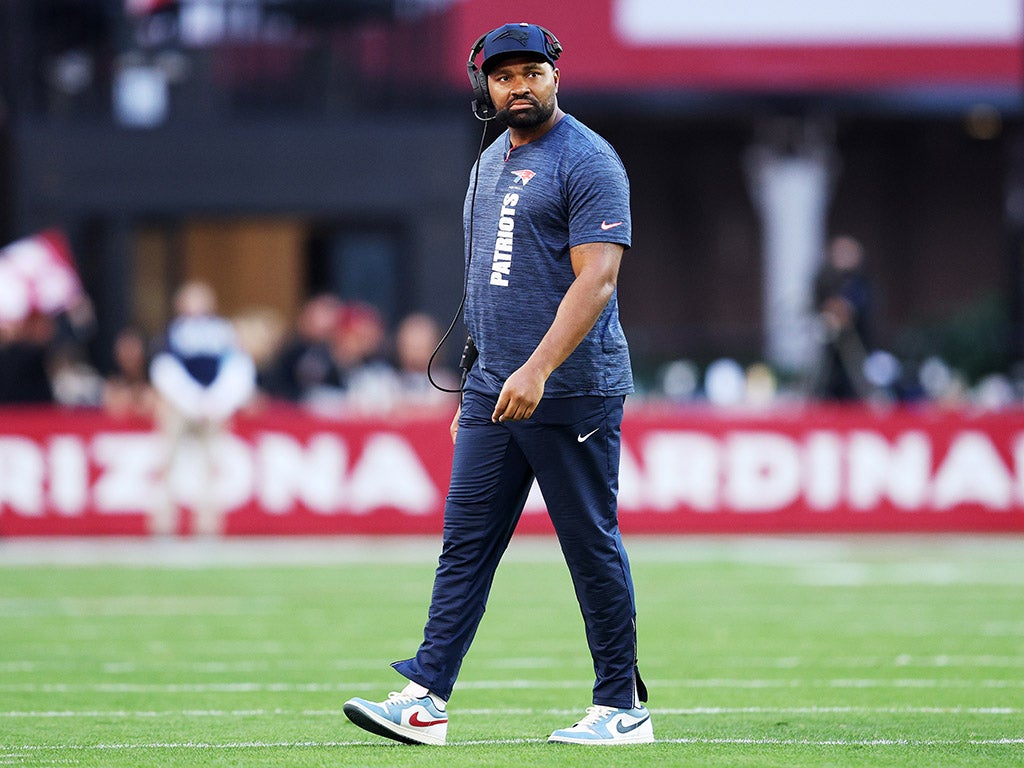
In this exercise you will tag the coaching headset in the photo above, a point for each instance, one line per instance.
(508, 39)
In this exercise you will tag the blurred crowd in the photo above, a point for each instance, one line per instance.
(337, 359)
(340, 359)
(848, 365)
(888, 381)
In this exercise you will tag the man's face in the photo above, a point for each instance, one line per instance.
(523, 91)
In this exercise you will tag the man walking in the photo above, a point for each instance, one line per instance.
(547, 220)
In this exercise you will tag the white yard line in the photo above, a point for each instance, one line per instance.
(215, 666)
(332, 687)
(14, 750)
(147, 714)
(146, 552)
(130, 606)
(850, 742)
(928, 555)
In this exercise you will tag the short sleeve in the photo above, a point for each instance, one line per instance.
(598, 190)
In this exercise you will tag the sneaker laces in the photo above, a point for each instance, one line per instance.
(397, 697)
(594, 715)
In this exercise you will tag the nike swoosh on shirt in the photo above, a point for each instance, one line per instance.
(415, 720)
(632, 727)
(583, 438)
(606, 226)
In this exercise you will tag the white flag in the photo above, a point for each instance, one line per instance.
(37, 274)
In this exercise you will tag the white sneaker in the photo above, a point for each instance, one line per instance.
(609, 726)
(403, 717)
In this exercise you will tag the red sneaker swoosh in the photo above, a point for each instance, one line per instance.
(415, 720)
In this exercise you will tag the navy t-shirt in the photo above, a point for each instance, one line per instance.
(533, 204)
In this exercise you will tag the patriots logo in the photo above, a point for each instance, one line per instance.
(523, 177)
(521, 36)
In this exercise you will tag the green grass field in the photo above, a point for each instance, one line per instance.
(888, 651)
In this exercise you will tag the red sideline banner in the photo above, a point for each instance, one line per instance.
(284, 471)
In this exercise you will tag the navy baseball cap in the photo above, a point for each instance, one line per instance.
(519, 40)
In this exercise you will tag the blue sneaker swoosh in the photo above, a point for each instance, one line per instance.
(632, 727)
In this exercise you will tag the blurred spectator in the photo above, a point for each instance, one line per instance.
(680, 381)
(24, 348)
(994, 392)
(416, 339)
(74, 380)
(761, 388)
(365, 380)
(942, 385)
(203, 377)
(725, 383)
(1016, 375)
(883, 371)
(127, 391)
(261, 333)
(43, 356)
(305, 363)
(359, 337)
(842, 299)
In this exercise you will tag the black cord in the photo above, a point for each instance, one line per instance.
(465, 278)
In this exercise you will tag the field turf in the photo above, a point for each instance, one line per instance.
(867, 651)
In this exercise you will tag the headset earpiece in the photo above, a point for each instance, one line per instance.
(554, 47)
(483, 107)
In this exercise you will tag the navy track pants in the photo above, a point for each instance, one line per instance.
(571, 445)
